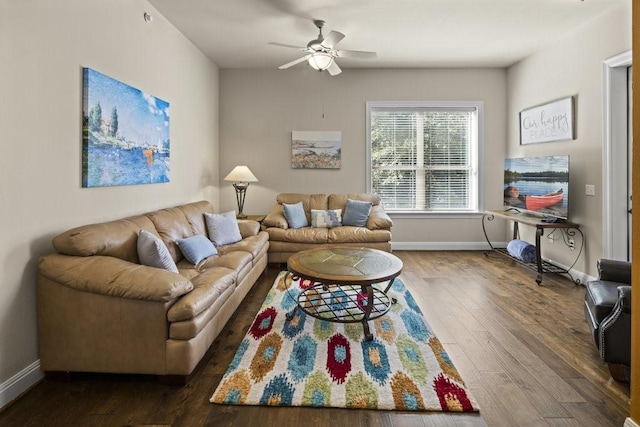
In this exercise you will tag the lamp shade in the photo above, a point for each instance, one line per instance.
(241, 174)
(320, 61)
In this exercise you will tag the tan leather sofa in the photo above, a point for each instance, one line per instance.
(101, 311)
(285, 241)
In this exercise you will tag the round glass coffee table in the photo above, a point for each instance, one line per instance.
(343, 283)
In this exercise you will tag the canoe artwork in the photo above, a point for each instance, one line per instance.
(535, 203)
(538, 184)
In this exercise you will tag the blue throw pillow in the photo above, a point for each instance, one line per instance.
(223, 228)
(196, 248)
(153, 252)
(356, 213)
(295, 216)
(524, 251)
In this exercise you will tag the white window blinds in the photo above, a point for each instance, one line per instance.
(424, 158)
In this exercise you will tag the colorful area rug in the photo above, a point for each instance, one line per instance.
(310, 362)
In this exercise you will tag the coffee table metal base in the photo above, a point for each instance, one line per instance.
(342, 303)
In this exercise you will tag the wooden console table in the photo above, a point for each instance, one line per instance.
(569, 230)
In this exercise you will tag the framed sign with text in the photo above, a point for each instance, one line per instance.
(553, 121)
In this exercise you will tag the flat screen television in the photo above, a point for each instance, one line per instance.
(538, 184)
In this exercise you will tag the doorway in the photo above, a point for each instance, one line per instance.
(616, 171)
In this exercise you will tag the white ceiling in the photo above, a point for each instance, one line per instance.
(404, 33)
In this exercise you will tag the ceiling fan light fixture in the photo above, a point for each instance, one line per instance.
(320, 60)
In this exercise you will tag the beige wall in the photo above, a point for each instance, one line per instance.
(43, 47)
(260, 108)
(573, 66)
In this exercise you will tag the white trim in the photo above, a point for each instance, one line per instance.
(630, 423)
(609, 162)
(19, 383)
(577, 275)
(444, 246)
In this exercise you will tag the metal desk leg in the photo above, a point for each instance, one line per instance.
(539, 231)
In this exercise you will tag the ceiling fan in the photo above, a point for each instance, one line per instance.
(322, 52)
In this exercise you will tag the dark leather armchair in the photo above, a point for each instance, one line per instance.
(607, 308)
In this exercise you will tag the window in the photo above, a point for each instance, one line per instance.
(423, 157)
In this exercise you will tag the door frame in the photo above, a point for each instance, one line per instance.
(615, 127)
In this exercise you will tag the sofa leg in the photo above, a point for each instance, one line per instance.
(174, 380)
(619, 372)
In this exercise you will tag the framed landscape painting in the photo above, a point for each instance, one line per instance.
(125, 134)
(316, 150)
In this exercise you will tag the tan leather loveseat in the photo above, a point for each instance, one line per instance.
(285, 241)
(100, 310)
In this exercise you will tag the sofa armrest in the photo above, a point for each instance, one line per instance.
(114, 277)
(248, 228)
(615, 330)
(276, 218)
(379, 219)
(614, 271)
(624, 298)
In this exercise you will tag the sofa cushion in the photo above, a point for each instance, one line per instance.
(300, 235)
(356, 213)
(113, 277)
(295, 215)
(208, 286)
(309, 201)
(223, 228)
(196, 248)
(326, 218)
(88, 240)
(187, 329)
(254, 245)
(152, 252)
(339, 201)
(349, 234)
(233, 260)
(193, 212)
(248, 227)
(171, 224)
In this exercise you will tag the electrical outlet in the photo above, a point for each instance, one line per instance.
(571, 243)
(550, 238)
(590, 190)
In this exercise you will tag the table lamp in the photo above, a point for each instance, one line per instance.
(241, 176)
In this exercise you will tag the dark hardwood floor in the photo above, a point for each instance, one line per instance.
(524, 351)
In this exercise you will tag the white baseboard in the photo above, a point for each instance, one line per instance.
(19, 383)
(630, 423)
(577, 275)
(442, 246)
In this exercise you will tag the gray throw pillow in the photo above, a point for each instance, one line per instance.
(153, 252)
(196, 248)
(356, 213)
(326, 219)
(223, 228)
(294, 213)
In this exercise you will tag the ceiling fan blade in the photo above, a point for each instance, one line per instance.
(355, 54)
(333, 69)
(292, 63)
(332, 39)
(287, 45)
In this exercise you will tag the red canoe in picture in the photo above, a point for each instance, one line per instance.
(534, 203)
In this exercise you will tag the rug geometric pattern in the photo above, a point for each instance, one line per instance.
(309, 362)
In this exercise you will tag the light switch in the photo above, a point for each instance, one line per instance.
(590, 190)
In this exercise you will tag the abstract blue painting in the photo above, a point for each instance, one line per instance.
(125, 134)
